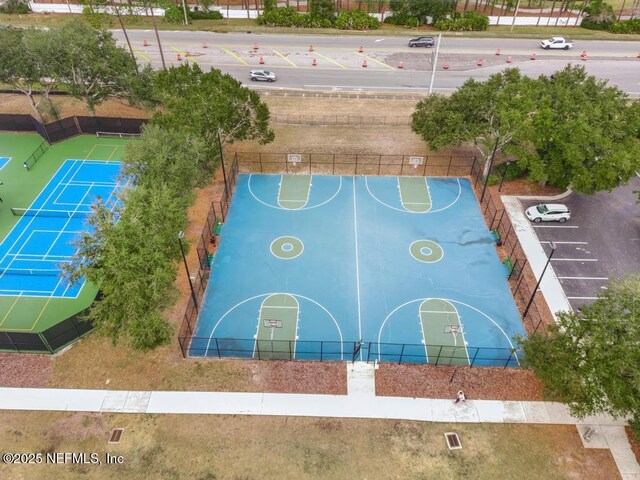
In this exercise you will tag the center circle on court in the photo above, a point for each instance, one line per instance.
(286, 248)
(426, 251)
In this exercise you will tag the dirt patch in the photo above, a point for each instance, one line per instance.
(635, 444)
(240, 447)
(482, 383)
(25, 370)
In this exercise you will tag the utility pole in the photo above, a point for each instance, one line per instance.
(184, 9)
(435, 64)
(515, 14)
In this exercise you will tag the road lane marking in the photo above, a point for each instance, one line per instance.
(332, 61)
(283, 57)
(235, 56)
(185, 54)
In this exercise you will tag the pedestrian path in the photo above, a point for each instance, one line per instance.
(360, 403)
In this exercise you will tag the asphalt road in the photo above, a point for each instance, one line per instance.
(339, 63)
(601, 242)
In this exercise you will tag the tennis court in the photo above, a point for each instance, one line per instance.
(337, 267)
(47, 195)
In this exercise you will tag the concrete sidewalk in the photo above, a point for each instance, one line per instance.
(360, 403)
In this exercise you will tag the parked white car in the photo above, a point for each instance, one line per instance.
(558, 43)
(548, 212)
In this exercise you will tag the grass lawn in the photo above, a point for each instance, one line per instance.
(247, 25)
(246, 448)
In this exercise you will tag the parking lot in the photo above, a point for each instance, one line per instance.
(601, 242)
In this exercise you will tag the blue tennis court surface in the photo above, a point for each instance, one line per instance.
(33, 253)
(4, 161)
(405, 264)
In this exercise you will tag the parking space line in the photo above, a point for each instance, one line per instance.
(555, 226)
(235, 56)
(142, 55)
(332, 61)
(377, 61)
(567, 243)
(283, 57)
(184, 54)
(583, 278)
(574, 259)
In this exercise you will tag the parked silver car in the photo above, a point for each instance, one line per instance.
(263, 75)
(548, 212)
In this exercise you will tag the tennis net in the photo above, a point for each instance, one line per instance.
(35, 212)
(117, 135)
(47, 272)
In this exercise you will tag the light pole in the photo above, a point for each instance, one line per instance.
(504, 174)
(486, 180)
(186, 267)
(553, 249)
(224, 172)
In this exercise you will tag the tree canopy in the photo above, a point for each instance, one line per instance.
(421, 9)
(590, 358)
(569, 129)
(210, 103)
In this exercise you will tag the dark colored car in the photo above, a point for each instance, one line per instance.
(422, 42)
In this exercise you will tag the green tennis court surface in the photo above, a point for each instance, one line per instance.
(21, 186)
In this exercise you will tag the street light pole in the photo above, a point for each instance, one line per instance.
(186, 267)
(553, 249)
(486, 179)
(224, 171)
(504, 174)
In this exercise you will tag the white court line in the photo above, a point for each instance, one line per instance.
(583, 278)
(574, 259)
(355, 227)
(567, 243)
(555, 226)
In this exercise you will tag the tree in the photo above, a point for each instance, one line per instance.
(491, 114)
(133, 262)
(27, 63)
(323, 9)
(584, 133)
(208, 104)
(92, 66)
(421, 9)
(590, 358)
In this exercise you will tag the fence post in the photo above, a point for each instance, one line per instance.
(333, 166)
(439, 353)
(449, 167)
(369, 352)
(258, 348)
(44, 341)
(473, 360)
(508, 360)
(290, 351)
(218, 349)
(401, 354)
(473, 164)
(321, 349)
(260, 158)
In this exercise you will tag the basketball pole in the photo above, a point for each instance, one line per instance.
(224, 172)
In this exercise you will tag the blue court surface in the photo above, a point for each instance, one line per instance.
(33, 253)
(4, 161)
(307, 264)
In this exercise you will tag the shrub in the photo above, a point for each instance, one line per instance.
(403, 20)
(282, 17)
(356, 20)
(468, 21)
(213, 15)
(627, 26)
(590, 24)
(174, 14)
(15, 6)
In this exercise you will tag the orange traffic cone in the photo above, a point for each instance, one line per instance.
(479, 63)
(364, 63)
(400, 66)
(508, 59)
(179, 57)
(311, 48)
(204, 44)
(261, 61)
(638, 56)
(446, 65)
(533, 56)
(498, 52)
(146, 44)
(314, 63)
(361, 49)
(583, 55)
(255, 46)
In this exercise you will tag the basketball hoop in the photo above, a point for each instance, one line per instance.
(294, 158)
(272, 324)
(454, 330)
(416, 161)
